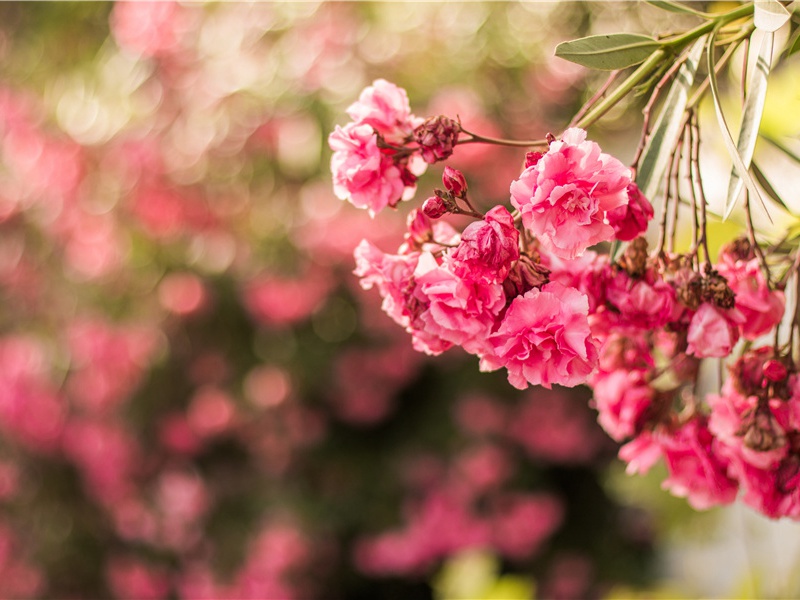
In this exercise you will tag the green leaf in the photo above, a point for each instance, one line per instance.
(726, 134)
(782, 148)
(677, 7)
(608, 52)
(667, 127)
(769, 15)
(767, 186)
(761, 45)
(794, 44)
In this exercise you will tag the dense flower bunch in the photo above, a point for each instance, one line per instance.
(536, 292)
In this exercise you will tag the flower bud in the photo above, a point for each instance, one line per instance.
(775, 370)
(434, 207)
(437, 137)
(454, 182)
(531, 158)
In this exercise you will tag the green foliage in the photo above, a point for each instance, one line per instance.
(608, 52)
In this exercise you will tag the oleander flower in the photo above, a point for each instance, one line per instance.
(544, 338)
(713, 332)
(565, 195)
(384, 107)
(487, 248)
(762, 308)
(364, 175)
(630, 220)
(458, 311)
(622, 398)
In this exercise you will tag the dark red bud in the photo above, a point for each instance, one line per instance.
(454, 182)
(531, 158)
(775, 370)
(434, 207)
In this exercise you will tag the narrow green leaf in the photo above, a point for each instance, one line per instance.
(726, 134)
(793, 45)
(782, 148)
(761, 48)
(677, 7)
(608, 52)
(667, 127)
(769, 15)
(767, 186)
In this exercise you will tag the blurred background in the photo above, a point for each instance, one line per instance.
(197, 400)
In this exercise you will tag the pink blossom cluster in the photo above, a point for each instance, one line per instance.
(526, 291)
(490, 291)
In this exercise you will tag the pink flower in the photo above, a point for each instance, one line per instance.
(458, 311)
(622, 399)
(384, 107)
(630, 221)
(697, 471)
(487, 248)
(564, 197)
(544, 339)
(646, 303)
(713, 332)
(392, 274)
(641, 453)
(762, 308)
(363, 174)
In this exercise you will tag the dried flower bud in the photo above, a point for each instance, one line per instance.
(454, 182)
(763, 433)
(434, 207)
(739, 249)
(437, 137)
(634, 259)
(525, 275)
(775, 370)
(531, 158)
(717, 290)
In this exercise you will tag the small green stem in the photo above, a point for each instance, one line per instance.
(482, 139)
(612, 99)
(701, 30)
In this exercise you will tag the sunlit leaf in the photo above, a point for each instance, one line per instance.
(769, 15)
(608, 52)
(677, 7)
(726, 134)
(794, 44)
(667, 127)
(782, 148)
(761, 45)
(767, 186)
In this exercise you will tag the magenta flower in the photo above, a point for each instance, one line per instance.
(622, 398)
(713, 332)
(630, 220)
(363, 174)
(487, 248)
(565, 196)
(392, 274)
(762, 308)
(458, 310)
(697, 471)
(544, 339)
(384, 107)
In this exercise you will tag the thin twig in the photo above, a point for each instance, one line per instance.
(651, 102)
(595, 98)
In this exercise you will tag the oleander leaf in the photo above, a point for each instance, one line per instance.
(608, 52)
(726, 133)
(769, 15)
(667, 127)
(761, 46)
(677, 7)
